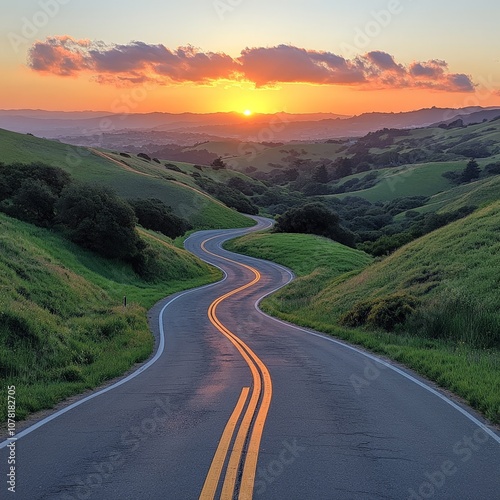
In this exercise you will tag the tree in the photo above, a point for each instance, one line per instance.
(219, 164)
(96, 218)
(320, 175)
(314, 218)
(29, 192)
(154, 214)
(344, 168)
(33, 202)
(471, 172)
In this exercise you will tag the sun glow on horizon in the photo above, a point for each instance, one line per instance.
(248, 112)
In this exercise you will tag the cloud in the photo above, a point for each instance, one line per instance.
(138, 62)
(384, 61)
(287, 64)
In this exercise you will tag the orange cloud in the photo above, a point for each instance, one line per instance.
(138, 62)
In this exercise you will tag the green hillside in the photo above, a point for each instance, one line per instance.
(129, 177)
(241, 155)
(460, 261)
(310, 253)
(63, 327)
(462, 258)
(452, 275)
(424, 179)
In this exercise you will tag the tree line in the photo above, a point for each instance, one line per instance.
(92, 216)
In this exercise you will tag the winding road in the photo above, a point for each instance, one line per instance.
(235, 404)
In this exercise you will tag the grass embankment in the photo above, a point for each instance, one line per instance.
(63, 328)
(453, 272)
(136, 179)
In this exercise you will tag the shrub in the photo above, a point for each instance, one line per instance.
(29, 192)
(357, 316)
(96, 218)
(144, 156)
(154, 214)
(218, 164)
(385, 312)
(391, 311)
(229, 196)
(71, 374)
(241, 185)
(314, 218)
(33, 202)
(174, 168)
(492, 169)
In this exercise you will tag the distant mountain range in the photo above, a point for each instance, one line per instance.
(94, 128)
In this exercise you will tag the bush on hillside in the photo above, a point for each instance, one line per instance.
(218, 164)
(33, 202)
(492, 169)
(386, 312)
(29, 192)
(420, 225)
(314, 218)
(12, 176)
(245, 187)
(96, 218)
(174, 168)
(229, 196)
(155, 215)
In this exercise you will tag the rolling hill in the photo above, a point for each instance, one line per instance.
(63, 326)
(129, 177)
(451, 279)
(462, 258)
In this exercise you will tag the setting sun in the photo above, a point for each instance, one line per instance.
(248, 112)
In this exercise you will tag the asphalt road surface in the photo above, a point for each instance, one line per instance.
(237, 405)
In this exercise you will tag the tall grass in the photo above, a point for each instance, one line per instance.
(457, 317)
(453, 333)
(63, 327)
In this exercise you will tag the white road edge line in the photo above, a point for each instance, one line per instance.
(151, 362)
(140, 370)
(372, 357)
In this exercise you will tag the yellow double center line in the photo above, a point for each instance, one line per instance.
(252, 425)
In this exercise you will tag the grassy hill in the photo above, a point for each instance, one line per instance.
(449, 149)
(423, 179)
(311, 254)
(452, 273)
(241, 155)
(430, 141)
(63, 328)
(462, 258)
(130, 177)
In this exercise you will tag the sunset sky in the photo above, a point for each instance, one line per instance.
(262, 55)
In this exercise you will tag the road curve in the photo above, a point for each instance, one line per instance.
(237, 404)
